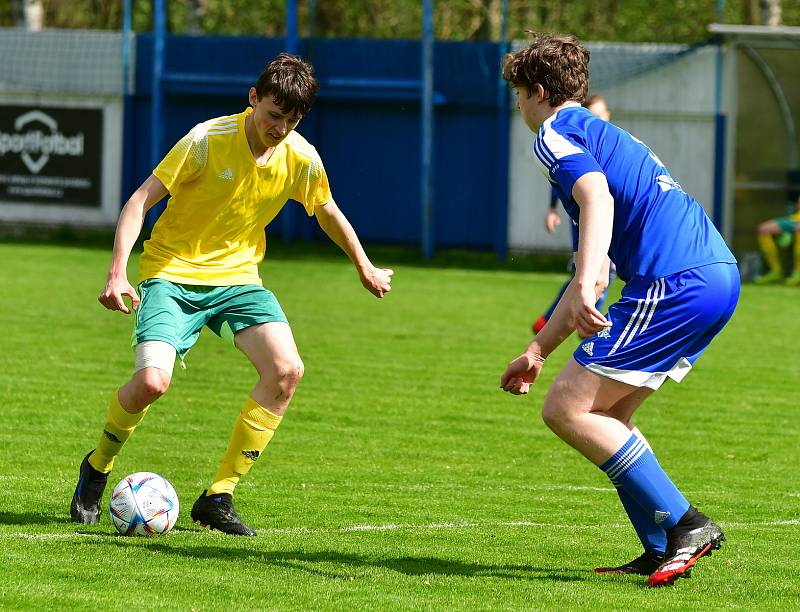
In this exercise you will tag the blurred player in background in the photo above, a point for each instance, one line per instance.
(682, 285)
(598, 106)
(780, 232)
(227, 179)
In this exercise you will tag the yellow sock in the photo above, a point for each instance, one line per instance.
(252, 431)
(770, 252)
(118, 428)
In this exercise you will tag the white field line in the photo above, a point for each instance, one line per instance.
(402, 526)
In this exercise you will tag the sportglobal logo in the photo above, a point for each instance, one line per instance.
(34, 145)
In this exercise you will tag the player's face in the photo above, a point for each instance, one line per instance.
(600, 109)
(527, 105)
(272, 124)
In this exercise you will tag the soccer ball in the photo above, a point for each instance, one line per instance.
(144, 504)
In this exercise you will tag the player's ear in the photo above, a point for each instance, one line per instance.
(541, 93)
(252, 96)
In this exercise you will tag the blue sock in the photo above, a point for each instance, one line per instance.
(554, 303)
(652, 536)
(635, 469)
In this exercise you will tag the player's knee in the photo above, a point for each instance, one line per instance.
(152, 384)
(288, 374)
(765, 229)
(554, 415)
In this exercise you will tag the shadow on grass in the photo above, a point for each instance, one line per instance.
(36, 518)
(116, 534)
(322, 563)
(30, 518)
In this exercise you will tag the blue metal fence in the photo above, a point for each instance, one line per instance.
(365, 124)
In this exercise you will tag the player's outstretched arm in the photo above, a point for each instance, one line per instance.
(576, 308)
(129, 226)
(377, 281)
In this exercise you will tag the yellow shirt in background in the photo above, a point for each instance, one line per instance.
(212, 230)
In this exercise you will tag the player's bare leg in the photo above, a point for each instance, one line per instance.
(144, 388)
(271, 349)
(578, 407)
(592, 414)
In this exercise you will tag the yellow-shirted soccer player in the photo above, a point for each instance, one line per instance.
(782, 231)
(227, 179)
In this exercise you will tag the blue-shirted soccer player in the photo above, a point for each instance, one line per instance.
(682, 285)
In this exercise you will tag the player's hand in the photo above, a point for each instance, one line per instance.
(552, 221)
(378, 281)
(112, 294)
(521, 373)
(586, 318)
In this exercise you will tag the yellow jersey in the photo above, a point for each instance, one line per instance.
(212, 229)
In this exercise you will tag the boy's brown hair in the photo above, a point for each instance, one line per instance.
(290, 81)
(559, 63)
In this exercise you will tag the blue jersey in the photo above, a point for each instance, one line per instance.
(658, 228)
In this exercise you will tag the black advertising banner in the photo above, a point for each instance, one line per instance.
(50, 155)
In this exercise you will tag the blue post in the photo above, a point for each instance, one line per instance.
(127, 20)
(501, 154)
(426, 111)
(288, 213)
(127, 95)
(157, 99)
(291, 26)
(719, 132)
(312, 19)
(156, 107)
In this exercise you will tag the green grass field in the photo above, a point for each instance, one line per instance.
(402, 478)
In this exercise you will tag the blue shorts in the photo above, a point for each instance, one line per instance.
(660, 328)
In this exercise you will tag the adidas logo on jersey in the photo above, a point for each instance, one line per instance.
(588, 347)
(226, 175)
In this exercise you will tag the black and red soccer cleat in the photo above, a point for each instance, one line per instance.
(85, 506)
(694, 536)
(216, 511)
(643, 565)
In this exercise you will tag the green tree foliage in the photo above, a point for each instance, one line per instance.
(683, 21)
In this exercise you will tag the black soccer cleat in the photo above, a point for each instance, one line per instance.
(85, 507)
(643, 565)
(694, 536)
(216, 511)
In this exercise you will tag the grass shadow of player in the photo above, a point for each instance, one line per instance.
(113, 533)
(324, 563)
(30, 518)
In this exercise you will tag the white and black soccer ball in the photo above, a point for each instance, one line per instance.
(144, 504)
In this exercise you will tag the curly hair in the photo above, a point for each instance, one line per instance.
(559, 63)
(290, 81)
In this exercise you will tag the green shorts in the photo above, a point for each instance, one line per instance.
(175, 313)
(788, 225)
